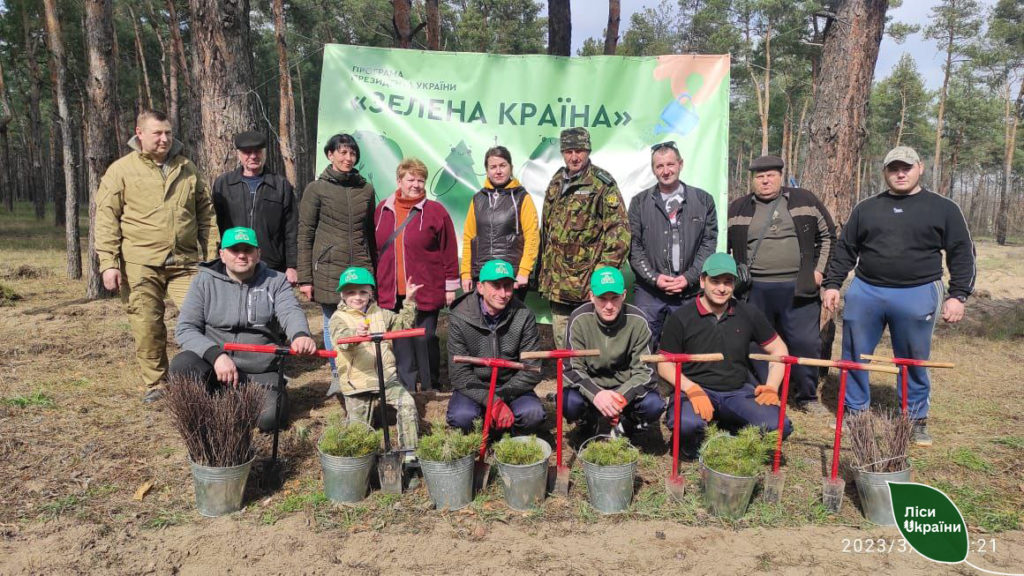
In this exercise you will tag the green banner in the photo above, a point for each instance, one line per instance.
(447, 108)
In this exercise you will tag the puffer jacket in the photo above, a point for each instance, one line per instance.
(469, 335)
(152, 216)
(335, 230)
(357, 363)
(218, 309)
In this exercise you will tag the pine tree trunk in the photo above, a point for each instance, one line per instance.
(286, 121)
(306, 173)
(55, 167)
(223, 78)
(58, 64)
(559, 28)
(611, 35)
(838, 126)
(937, 165)
(190, 127)
(6, 176)
(433, 25)
(38, 183)
(402, 23)
(1012, 121)
(168, 74)
(101, 151)
(141, 55)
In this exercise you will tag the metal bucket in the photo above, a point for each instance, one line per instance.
(219, 489)
(346, 479)
(725, 495)
(450, 484)
(526, 484)
(610, 488)
(873, 489)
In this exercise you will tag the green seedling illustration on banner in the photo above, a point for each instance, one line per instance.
(378, 159)
(456, 182)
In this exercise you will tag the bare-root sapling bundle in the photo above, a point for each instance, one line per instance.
(880, 440)
(218, 427)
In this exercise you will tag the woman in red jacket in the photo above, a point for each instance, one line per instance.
(416, 240)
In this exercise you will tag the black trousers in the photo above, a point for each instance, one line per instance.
(419, 359)
(191, 365)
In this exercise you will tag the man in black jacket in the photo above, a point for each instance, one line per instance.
(786, 236)
(894, 242)
(492, 323)
(674, 229)
(252, 197)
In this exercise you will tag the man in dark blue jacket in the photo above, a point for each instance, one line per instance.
(250, 196)
(674, 229)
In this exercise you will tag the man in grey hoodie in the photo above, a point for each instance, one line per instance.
(239, 299)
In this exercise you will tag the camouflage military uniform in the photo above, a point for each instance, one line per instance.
(584, 226)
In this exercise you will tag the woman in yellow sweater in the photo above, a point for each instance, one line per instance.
(501, 224)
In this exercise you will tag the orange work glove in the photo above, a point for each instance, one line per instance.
(766, 396)
(701, 403)
(501, 415)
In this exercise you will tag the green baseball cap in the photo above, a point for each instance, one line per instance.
(239, 235)
(496, 270)
(605, 280)
(718, 264)
(355, 275)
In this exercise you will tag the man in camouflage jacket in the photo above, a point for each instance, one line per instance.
(584, 227)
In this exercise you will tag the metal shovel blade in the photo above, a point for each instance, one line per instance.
(832, 494)
(561, 488)
(676, 487)
(481, 475)
(774, 482)
(389, 469)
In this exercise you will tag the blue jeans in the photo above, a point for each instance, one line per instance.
(796, 320)
(658, 306)
(733, 410)
(643, 410)
(910, 314)
(528, 410)
(328, 311)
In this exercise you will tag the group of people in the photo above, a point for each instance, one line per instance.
(381, 266)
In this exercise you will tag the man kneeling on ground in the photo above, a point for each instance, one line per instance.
(239, 299)
(616, 385)
(492, 323)
(715, 322)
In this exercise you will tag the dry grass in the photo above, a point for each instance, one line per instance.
(80, 355)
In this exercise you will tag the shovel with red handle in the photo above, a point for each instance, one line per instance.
(674, 483)
(774, 484)
(903, 363)
(833, 486)
(562, 474)
(279, 351)
(389, 465)
(482, 470)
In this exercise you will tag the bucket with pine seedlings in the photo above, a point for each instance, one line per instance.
(729, 467)
(880, 442)
(609, 465)
(523, 465)
(217, 428)
(347, 450)
(446, 458)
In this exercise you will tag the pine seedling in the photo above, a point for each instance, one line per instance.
(612, 452)
(741, 455)
(350, 439)
(445, 444)
(518, 453)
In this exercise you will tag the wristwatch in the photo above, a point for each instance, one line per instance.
(962, 299)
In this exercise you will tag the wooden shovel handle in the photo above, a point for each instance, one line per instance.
(715, 357)
(542, 354)
(923, 363)
(492, 362)
(828, 363)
